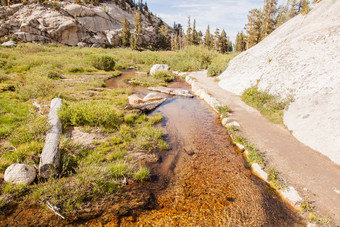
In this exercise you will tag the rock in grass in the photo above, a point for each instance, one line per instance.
(158, 67)
(50, 156)
(9, 44)
(172, 91)
(20, 174)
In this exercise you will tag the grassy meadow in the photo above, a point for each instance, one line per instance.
(32, 73)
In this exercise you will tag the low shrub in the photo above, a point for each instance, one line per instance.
(92, 113)
(269, 105)
(142, 174)
(103, 62)
(163, 75)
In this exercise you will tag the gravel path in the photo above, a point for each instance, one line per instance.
(312, 174)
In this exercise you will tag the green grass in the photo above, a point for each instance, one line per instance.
(220, 64)
(269, 105)
(224, 110)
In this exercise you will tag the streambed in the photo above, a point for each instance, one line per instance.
(203, 180)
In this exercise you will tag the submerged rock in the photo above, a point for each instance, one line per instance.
(20, 174)
(134, 99)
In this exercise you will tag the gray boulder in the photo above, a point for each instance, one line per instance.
(20, 174)
(158, 68)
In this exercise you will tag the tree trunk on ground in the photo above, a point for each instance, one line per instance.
(50, 156)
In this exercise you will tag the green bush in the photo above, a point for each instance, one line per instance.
(269, 105)
(163, 75)
(91, 113)
(103, 62)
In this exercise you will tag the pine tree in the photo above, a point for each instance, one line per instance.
(188, 37)
(126, 32)
(254, 27)
(240, 44)
(194, 38)
(217, 40)
(281, 15)
(207, 38)
(269, 22)
(223, 42)
(305, 7)
(293, 8)
(134, 41)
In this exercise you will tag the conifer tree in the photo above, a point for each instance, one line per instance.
(268, 18)
(188, 37)
(223, 42)
(241, 43)
(305, 7)
(200, 37)
(207, 38)
(217, 40)
(126, 32)
(254, 27)
(134, 41)
(194, 38)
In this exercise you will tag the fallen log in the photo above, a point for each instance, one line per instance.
(50, 156)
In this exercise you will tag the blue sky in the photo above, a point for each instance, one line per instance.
(230, 15)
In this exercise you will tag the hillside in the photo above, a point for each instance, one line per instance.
(76, 25)
(301, 60)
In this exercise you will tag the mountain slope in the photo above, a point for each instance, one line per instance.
(73, 24)
(300, 59)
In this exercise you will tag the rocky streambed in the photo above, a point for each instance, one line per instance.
(203, 179)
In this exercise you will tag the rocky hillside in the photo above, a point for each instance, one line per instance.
(73, 24)
(301, 60)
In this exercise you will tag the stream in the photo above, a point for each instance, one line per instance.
(202, 180)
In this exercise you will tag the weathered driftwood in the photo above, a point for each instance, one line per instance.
(172, 91)
(50, 156)
(20, 174)
(147, 106)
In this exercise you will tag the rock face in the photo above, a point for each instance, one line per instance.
(50, 156)
(20, 174)
(158, 68)
(299, 59)
(73, 24)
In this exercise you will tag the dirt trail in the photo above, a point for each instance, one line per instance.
(311, 173)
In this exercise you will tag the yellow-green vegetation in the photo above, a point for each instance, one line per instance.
(274, 180)
(224, 110)
(88, 173)
(269, 105)
(318, 219)
(220, 64)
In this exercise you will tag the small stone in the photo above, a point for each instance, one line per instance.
(234, 123)
(224, 121)
(240, 146)
(20, 174)
(9, 44)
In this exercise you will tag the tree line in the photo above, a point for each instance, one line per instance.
(218, 41)
(263, 21)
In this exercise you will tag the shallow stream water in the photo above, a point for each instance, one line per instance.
(203, 180)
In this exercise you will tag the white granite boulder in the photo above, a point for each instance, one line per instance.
(20, 174)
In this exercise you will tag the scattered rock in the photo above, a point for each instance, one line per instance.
(172, 91)
(234, 123)
(240, 146)
(291, 195)
(158, 67)
(50, 156)
(9, 44)
(152, 97)
(20, 174)
(134, 99)
(225, 121)
(259, 171)
(147, 106)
